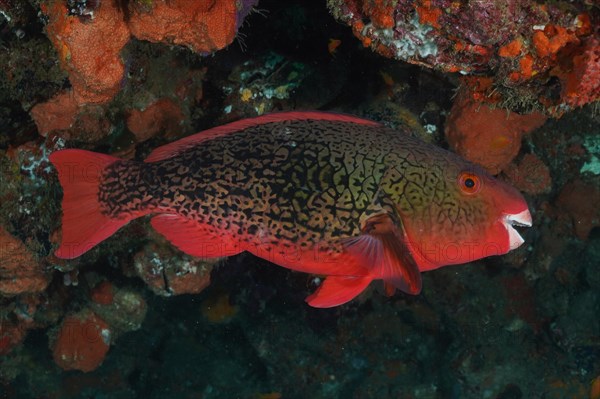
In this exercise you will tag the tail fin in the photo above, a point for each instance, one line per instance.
(83, 223)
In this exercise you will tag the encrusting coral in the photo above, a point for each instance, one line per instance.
(89, 41)
(19, 269)
(522, 44)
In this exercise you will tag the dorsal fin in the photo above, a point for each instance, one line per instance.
(172, 149)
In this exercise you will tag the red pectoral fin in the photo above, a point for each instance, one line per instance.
(382, 246)
(337, 290)
(194, 238)
(382, 249)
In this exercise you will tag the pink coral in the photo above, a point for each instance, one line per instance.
(89, 50)
(63, 113)
(487, 136)
(582, 84)
(20, 271)
(530, 175)
(163, 114)
(82, 342)
(56, 114)
(203, 26)
(520, 43)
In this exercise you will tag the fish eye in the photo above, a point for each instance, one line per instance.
(469, 182)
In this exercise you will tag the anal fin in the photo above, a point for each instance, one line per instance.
(194, 238)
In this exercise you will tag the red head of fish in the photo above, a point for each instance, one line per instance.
(466, 214)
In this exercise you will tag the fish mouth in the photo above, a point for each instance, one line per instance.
(518, 219)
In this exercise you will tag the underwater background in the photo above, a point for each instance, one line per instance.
(513, 86)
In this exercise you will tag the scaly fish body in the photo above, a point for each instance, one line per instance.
(314, 192)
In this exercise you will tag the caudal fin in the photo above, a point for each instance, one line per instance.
(83, 223)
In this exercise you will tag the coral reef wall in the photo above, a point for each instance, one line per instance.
(521, 54)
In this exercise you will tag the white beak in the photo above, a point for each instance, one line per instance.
(519, 219)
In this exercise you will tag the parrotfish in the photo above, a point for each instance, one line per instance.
(322, 193)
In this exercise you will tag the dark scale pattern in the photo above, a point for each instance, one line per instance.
(302, 181)
(130, 184)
